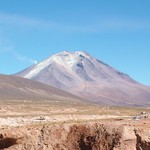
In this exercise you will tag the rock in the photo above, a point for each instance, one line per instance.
(142, 115)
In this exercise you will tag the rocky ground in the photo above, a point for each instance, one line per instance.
(73, 128)
(100, 135)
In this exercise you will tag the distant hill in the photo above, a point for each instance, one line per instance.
(17, 88)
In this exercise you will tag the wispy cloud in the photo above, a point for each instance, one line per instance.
(19, 20)
(21, 58)
(101, 24)
(8, 50)
(123, 23)
(35, 23)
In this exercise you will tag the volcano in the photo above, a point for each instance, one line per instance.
(83, 75)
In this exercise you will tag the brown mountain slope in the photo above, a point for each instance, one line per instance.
(17, 88)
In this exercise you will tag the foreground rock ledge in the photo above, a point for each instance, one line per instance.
(103, 135)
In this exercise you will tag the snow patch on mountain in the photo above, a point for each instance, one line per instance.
(65, 59)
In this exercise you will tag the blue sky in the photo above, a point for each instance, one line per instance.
(114, 31)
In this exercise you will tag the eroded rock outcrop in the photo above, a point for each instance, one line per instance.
(143, 141)
(71, 136)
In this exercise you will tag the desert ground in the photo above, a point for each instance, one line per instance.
(46, 125)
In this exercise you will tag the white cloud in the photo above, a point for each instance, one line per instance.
(16, 55)
(22, 58)
(100, 24)
(35, 62)
(6, 47)
(124, 23)
(23, 21)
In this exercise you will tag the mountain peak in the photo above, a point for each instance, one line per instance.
(68, 59)
(80, 64)
(77, 53)
(63, 53)
(84, 53)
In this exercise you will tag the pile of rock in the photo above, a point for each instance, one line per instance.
(142, 115)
